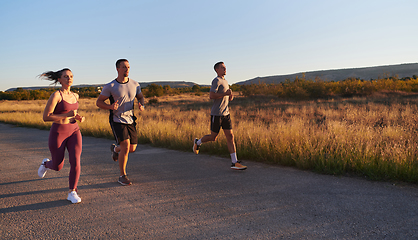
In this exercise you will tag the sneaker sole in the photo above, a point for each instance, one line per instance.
(235, 168)
(195, 150)
(124, 184)
(40, 174)
(74, 202)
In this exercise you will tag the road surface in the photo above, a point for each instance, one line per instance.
(180, 195)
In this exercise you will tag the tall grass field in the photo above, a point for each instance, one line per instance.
(374, 137)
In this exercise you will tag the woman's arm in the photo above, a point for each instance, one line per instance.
(78, 116)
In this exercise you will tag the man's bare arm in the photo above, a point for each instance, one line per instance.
(213, 95)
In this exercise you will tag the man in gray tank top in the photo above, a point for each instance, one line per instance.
(122, 93)
(219, 115)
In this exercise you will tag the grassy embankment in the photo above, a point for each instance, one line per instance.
(371, 137)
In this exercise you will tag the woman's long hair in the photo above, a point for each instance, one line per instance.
(53, 76)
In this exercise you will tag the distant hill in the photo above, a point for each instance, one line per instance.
(366, 73)
(172, 84)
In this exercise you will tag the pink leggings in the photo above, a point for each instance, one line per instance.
(63, 136)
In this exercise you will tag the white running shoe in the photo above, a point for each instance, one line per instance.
(42, 169)
(73, 197)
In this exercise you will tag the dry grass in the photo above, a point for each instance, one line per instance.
(373, 137)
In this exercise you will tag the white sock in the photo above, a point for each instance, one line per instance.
(199, 142)
(234, 157)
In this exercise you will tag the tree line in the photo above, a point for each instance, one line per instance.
(45, 93)
(152, 90)
(298, 89)
(303, 89)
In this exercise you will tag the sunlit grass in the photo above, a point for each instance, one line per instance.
(371, 138)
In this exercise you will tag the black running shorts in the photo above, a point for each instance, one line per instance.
(124, 131)
(216, 122)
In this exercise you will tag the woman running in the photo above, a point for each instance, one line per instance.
(61, 109)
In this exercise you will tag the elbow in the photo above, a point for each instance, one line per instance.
(47, 117)
(99, 104)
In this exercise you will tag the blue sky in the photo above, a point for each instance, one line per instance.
(181, 40)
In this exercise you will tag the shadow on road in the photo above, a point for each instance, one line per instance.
(28, 181)
(36, 206)
(51, 204)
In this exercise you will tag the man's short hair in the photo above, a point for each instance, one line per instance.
(119, 61)
(217, 65)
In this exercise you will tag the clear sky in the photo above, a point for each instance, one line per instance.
(181, 40)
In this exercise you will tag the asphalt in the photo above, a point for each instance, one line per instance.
(180, 195)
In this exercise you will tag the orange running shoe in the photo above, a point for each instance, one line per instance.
(238, 166)
(195, 146)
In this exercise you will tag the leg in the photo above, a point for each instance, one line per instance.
(56, 144)
(210, 137)
(132, 147)
(207, 138)
(127, 140)
(124, 148)
(215, 127)
(74, 147)
(236, 165)
(230, 140)
(229, 134)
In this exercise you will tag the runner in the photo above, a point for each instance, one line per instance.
(220, 117)
(61, 109)
(122, 93)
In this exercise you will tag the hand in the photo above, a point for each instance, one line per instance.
(141, 107)
(231, 97)
(80, 118)
(115, 105)
(228, 92)
(72, 113)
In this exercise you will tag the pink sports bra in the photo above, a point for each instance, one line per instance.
(65, 107)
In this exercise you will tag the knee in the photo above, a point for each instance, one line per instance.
(124, 146)
(57, 168)
(76, 167)
(132, 148)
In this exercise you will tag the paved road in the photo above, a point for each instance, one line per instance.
(179, 195)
